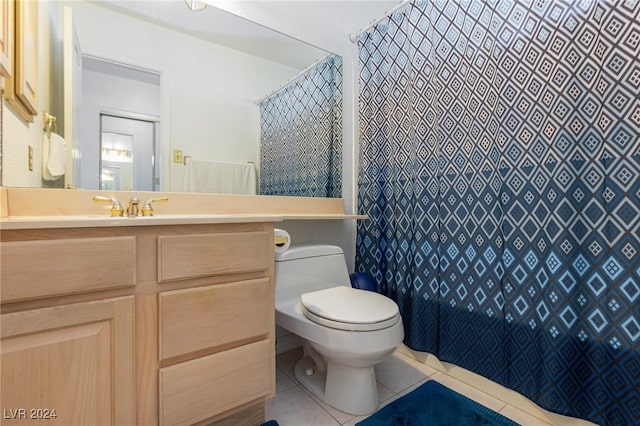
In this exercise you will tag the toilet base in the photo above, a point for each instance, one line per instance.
(349, 389)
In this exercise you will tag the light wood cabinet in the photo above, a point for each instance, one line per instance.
(69, 365)
(216, 341)
(149, 325)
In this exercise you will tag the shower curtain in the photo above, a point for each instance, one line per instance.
(301, 134)
(500, 170)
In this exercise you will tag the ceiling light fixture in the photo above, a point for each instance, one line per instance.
(195, 5)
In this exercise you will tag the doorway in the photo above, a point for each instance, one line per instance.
(127, 152)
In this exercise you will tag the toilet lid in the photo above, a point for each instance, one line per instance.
(346, 308)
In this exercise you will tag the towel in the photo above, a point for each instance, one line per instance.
(220, 178)
(54, 156)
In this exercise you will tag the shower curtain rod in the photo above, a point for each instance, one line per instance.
(354, 36)
(292, 79)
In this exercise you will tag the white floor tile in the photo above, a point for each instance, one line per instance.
(397, 374)
(354, 421)
(384, 394)
(395, 396)
(283, 381)
(412, 387)
(340, 416)
(287, 361)
(294, 407)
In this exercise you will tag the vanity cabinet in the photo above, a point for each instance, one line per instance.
(147, 325)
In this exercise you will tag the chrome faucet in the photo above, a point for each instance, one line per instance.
(147, 210)
(132, 210)
(116, 207)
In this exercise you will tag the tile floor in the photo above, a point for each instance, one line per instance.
(398, 375)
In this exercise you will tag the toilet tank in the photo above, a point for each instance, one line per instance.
(309, 267)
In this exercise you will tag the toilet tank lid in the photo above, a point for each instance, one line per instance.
(307, 250)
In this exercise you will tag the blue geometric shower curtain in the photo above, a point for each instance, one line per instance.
(500, 169)
(301, 134)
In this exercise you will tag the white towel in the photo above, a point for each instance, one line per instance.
(220, 178)
(54, 156)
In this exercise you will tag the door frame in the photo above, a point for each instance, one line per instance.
(154, 120)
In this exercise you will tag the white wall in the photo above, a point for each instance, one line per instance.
(208, 91)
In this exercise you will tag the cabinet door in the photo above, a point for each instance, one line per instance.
(69, 365)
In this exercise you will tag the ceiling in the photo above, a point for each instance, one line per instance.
(341, 18)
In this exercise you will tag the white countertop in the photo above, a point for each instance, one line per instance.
(95, 221)
(99, 221)
(40, 208)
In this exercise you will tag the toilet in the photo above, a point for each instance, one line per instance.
(345, 332)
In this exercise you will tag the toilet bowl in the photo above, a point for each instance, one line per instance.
(345, 331)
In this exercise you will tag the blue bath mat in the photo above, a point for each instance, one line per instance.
(435, 405)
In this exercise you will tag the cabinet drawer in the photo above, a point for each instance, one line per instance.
(35, 269)
(205, 317)
(200, 255)
(199, 389)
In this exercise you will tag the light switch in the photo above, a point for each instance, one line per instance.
(177, 156)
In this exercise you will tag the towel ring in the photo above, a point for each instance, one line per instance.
(50, 124)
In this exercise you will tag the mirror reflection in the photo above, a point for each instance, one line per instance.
(126, 153)
(204, 87)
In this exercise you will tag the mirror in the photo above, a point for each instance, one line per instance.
(198, 77)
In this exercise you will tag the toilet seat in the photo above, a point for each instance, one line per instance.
(346, 308)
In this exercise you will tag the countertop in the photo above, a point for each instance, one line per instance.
(37, 208)
(97, 221)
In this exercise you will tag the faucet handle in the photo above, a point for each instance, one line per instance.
(116, 207)
(147, 209)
